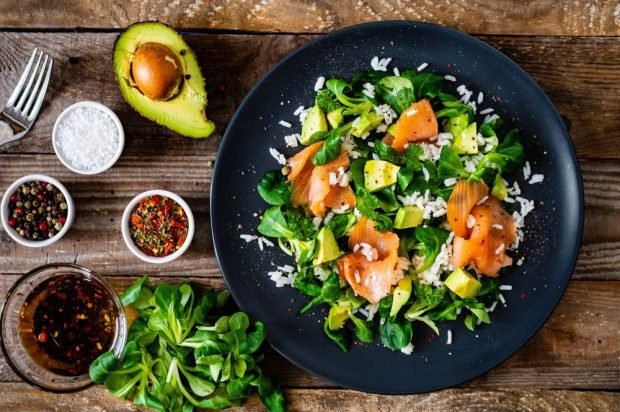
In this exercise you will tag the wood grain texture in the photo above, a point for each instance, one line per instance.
(543, 17)
(21, 397)
(95, 238)
(580, 75)
(578, 348)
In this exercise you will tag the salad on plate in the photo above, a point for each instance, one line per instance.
(399, 205)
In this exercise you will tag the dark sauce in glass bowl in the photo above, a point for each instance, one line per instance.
(66, 322)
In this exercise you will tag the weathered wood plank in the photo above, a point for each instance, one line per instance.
(578, 348)
(571, 70)
(95, 238)
(548, 17)
(21, 397)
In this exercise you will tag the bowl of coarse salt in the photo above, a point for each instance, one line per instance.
(88, 138)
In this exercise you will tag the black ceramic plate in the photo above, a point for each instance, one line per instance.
(553, 230)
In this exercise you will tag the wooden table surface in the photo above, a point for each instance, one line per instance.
(571, 48)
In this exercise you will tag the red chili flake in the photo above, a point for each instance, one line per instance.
(221, 88)
(522, 295)
(158, 226)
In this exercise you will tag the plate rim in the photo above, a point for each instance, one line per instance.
(393, 24)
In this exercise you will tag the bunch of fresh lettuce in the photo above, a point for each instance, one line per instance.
(187, 350)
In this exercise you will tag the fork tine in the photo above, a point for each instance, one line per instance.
(35, 89)
(41, 94)
(26, 91)
(22, 79)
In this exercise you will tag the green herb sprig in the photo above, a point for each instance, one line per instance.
(187, 350)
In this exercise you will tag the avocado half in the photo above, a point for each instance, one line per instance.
(183, 113)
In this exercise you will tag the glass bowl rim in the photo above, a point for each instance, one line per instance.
(120, 335)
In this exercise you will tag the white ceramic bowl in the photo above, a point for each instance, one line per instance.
(4, 211)
(127, 236)
(117, 123)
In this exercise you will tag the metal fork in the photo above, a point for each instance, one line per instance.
(23, 106)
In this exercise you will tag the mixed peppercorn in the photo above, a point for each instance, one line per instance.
(72, 321)
(37, 210)
(158, 225)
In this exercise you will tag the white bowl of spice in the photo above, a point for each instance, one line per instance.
(37, 210)
(157, 226)
(88, 138)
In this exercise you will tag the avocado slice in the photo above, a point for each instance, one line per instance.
(379, 174)
(463, 284)
(184, 112)
(365, 123)
(337, 317)
(313, 123)
(499, 189)
(402, 293)
(456, 124)
(328, 247)
(408, 216)
(335, 117)
(466, 142)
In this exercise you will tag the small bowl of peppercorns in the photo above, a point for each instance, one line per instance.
(37, 210)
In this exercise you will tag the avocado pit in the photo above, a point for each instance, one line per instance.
(157, 71)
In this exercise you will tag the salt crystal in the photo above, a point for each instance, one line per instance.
(87, 138)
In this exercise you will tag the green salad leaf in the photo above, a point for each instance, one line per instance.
(450, 165)
(396, 333)
(274, 189)
(330, 150)
(430, 241)
(397, 92)
(427, 85)
(198, 354)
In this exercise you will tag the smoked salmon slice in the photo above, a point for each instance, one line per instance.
(465, 195)
(416, 123)
(311, 184)
(373, 267)
(320, 187)
(493, 232)
(301, 170)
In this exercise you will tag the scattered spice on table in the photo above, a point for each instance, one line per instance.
(158, 225)
(66, 322)
(37, 210)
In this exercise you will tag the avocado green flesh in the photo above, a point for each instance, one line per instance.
(499, 189)
(408, 216)
(462, 284)
(337, 317)
(328, 247)
(313, 123)
(365, 123)
(402, 293)
(456, 124)
(466, 142)
(335, 117)
(379, 174)
(183, 113)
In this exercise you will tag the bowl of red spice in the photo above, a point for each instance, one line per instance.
(37, 210)
(158, 226)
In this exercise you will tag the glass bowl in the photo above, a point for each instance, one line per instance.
(17, 319)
